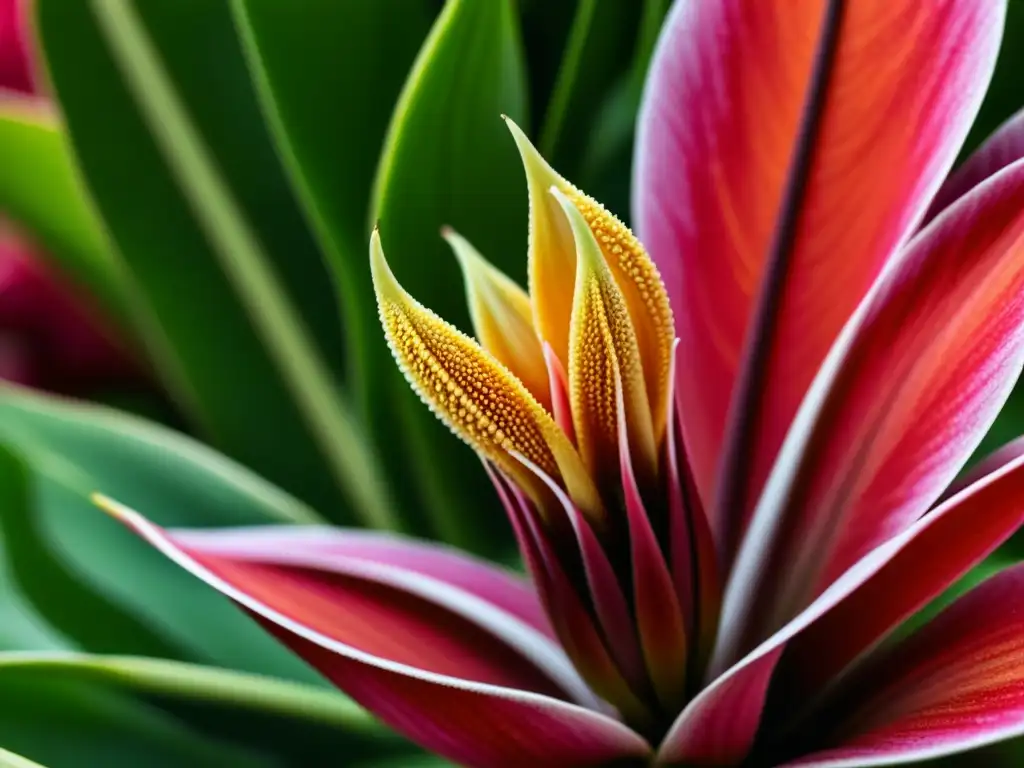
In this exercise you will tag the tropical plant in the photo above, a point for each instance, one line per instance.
(726, 514)
(719, 562)
(113, 206)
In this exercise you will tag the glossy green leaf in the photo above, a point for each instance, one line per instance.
(39, 189)
(192, 682)
(88, 576)
(329, 73)
(67, 724)
(304, 725)
(173, 148)
(598, 54)
(606, 162)
(448, 160)
(22, 627)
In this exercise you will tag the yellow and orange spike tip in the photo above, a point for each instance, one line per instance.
(552, 272)
(474, 394)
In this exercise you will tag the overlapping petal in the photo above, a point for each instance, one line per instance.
(1004, 147)
(502, 318)
(904, 399)
(738, 158)
(890, 582)
(475, 395)
(436, 664)
(957, 684)
(311, 546)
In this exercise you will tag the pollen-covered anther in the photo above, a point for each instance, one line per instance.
(604, 356)
(469, 392)
(474, 394)
(644, 294)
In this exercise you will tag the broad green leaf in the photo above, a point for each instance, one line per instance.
(192, 682)
(597, 55)
(93, 580)
(606, 163)
(39, 190)
(22, 627)
(67, 724)
(171, 144)
(328, 105)
(278, 719)
(448, 160)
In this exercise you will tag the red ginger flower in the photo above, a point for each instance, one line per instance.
(48, 338)
(723, 531)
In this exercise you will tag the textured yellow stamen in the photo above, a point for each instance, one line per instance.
(474, 394)
(502, 318)
(645, 296)
(603, 357)
(552, 271)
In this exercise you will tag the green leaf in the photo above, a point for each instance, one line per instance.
(92, 579)
(173, 149)
(597, 55)
(174, 679)
(328, 73)
(66, 724)
(606, 163)
(448, 160)
(300, 724)
(39, 190)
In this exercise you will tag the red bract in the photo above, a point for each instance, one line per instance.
(48, 338)
(722, 532)
(15, 62)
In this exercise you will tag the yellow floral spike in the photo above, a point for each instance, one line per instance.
(502, 318)
(603, 356)
(474, 394)
(552, 273)
(645, 296)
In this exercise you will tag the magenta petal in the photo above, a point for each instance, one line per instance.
(659, 616)
(957, 684)
(904, 398)
(719, 726)
(1003, 147)
(439, 680)
(559, 384)
(314, 546)
(693, 556)
(15, 62)
(717, 134)
(617, 641)
(956, 536)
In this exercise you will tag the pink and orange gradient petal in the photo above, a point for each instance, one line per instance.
(956, 685)
(719, 128)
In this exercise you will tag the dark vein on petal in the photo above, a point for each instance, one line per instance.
(733, 489)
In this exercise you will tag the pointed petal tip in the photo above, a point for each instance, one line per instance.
(107, 504)
(588, 252)
(385, 284)
(536, 167)
(467, 256)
